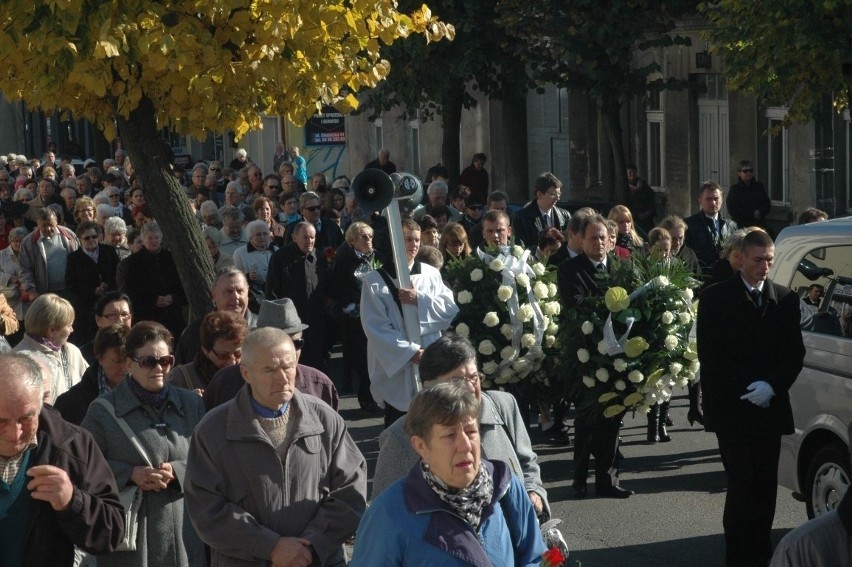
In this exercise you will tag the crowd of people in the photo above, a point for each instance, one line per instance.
(227, 427)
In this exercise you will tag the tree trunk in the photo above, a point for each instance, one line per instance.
(169, 204)
(451, 113)
(611, 117)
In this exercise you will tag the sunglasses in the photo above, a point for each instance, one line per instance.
(236, 355)
(313, 209)
(153, 361)
(90, 237)
(298, 343)
(475, 207)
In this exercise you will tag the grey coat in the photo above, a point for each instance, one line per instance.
(166, 536)
(502, 435)
(243, 500)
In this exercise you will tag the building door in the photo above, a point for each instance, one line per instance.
(713, 141)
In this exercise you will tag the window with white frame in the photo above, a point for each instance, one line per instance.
(412, 148)
(377, 125)
(655, 139)
(776, 154)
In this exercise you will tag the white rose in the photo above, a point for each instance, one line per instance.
(583, 355)
(635, 376)
(552, 308)
(464, 297)
(522, 366)
(504, 292)
(462, 330)
(487, 348)
(589, 381)
(670, 342)
(552, 289)
(490, 367)
(587, 327)
(661, 281)
(620, 385)
(476, 275)
(619, 364)
(527, 340)
(540, 290)
(538, 269)
(526, 312)
(602, 374)
(694, 366)
(517, 251)
(687, 294)
(675, 368)
(523, 280)
(684, 317)
(508, 353)
(491, 319)
(667, 317)
(602, 347)
(549, 341)
(507, 331)
(552, 328)
(505, 377)
(682, 382)
(496, 264)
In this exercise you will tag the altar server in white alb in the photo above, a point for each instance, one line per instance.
(390, 355)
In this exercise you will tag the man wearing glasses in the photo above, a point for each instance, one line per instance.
(748, 201)
(328, 233)
(541, 213)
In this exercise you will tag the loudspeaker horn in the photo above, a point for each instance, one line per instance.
(373, 189)
(408, 191)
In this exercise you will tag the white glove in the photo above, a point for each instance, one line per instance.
(760, 393)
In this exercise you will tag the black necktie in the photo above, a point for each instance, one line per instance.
(602, 268)
(755, 296)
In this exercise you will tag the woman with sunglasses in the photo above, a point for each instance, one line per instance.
(162, 417)
(222, 334)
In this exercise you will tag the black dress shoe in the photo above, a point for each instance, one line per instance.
(669, 422)
(613, 492)
(556, 434)
(580, 490)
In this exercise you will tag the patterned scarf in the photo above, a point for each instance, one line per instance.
(44, 341)
(467, 502)
(156, 399)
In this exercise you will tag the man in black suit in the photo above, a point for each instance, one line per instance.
(751, 351)
(542, 213)
(706, 230)
(299, 271)
(328, 233)
(595, 434)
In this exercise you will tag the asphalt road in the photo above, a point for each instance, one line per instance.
(674, 519)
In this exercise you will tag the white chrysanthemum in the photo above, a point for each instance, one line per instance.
(602, 347)
(552, 328)
(549, 340)
(619, 364)
(463, 330)
(464, 297)
(517, 251)
(490, 367)
(507, 331)
(538, 269)
(661, 281)
(491, 319)
(670, 342)
(540, 290)
(675, 368)
(687, 294)
(487, 348)
(504, 292)
(508, 353)
(476, 275)
(527, 340)
(552, 289)
(602, 374)
(523, 280)
(583, 355)
(526, 312)
(635, 376)
(496, 264)
(589, 381)
(667, 317)
(620, 385)
(684, 317)
(587, 327)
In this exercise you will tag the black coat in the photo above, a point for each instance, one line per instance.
(699, 237)
(83, 275)
(74, 403)
(95, 519)
(346, 288)
(739, 343)
(149, 276)
(528, 224)
(577, 278)
(744, 199)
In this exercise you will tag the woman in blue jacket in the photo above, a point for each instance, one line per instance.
(453, 508)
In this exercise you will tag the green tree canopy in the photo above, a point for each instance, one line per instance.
(785, 52)
(194, 66)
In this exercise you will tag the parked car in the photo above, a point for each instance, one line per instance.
(815, 461)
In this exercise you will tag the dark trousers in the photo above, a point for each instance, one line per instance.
(355, 356)
(595, 435)
(751, 467)
(391, 415)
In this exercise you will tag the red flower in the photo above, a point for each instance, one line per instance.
(552, 558)
(329, 253)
